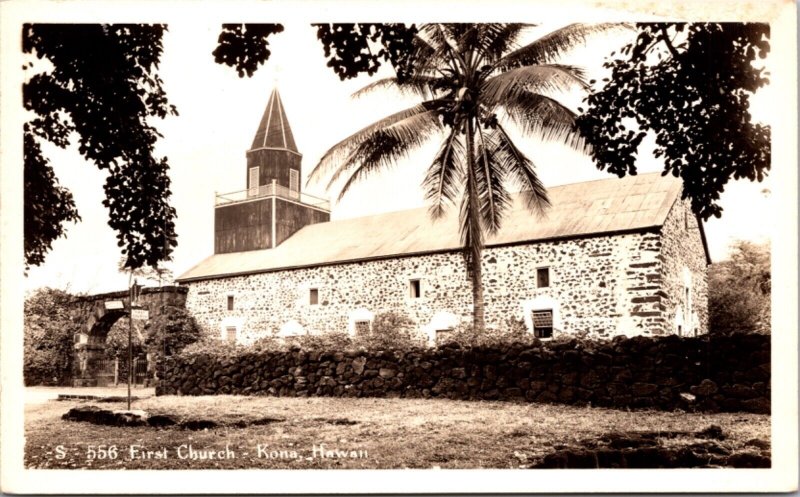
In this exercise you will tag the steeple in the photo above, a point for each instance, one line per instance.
(274, 131)
(273, 207)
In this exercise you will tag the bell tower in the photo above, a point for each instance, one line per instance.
(273, 154)
(272, 207)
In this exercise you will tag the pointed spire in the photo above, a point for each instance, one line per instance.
(274, 131)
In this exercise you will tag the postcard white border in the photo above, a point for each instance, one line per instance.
(783, 475)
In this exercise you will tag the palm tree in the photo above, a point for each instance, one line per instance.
(473, 79)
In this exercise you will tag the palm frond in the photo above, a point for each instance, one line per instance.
(383, 148)
(417, 85)
(546, 118)
(494, 199)
(344, 148)
(442, 180)
(534, 79)
(497, 39)
(552, 45)
(520, 171)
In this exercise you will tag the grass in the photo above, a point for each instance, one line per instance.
(390, 433)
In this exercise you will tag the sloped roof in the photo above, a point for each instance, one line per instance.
(581, 209)
(274, 130)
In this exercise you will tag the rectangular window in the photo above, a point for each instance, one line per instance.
(313, 296)
(252, 182)
(543, 277)
(230, 334)
(230, 302)
(362, 328)
(543, 323)
(294, 183)
(415, 289)
(443, 336)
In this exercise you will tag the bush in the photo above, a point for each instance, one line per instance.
(326, 341)
(171, 330)
(739, 290)
(391, 330)
(48, 337)
(514, 332)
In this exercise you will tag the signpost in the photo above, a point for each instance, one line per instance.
(134, 313)
(140, 314)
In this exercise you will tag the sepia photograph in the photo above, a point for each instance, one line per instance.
(474, 255)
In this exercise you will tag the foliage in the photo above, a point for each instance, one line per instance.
(739, 290)
(390, 330)
(47, 205)
(690, 84)
(213, 346)
(513, 333)
(171, 329)
(244, 46)
(466, 74)
(103, 87)
(49, 331)
(116, 344)
(347, 47)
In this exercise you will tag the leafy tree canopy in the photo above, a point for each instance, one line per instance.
(244, 46)
(739, 290)
(103, 86)
(690, 84)
(49, 329)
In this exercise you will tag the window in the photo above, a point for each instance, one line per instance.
(443, 336)
(543, 277)
(230, 334)
(230, 302)
(313, 296)
(543, 323)
(415, 288)
(362, 328)
(252, 182)
(294, 182)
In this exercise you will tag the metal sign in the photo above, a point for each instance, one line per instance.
(141, 314)
(114, 304)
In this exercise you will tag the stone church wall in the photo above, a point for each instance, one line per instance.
(599, 286)
(684, 267)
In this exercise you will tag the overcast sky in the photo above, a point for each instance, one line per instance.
(219, 113)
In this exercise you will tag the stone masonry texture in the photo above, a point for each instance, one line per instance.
(708, 373)
(602, 286)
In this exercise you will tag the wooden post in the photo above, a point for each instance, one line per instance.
(116, 370)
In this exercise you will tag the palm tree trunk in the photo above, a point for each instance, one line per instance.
(474, 239)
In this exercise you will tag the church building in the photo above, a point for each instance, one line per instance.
(610, 257)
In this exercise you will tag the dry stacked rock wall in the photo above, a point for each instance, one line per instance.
(707, 373)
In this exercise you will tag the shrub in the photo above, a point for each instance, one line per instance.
(514, 332)
(739, 290)
(48, 337)
(325, 341)
(391, 330)
(213, 347)
(171, 330)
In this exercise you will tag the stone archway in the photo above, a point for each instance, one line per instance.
(100, 312)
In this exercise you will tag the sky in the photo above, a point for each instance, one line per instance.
(218, 116)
